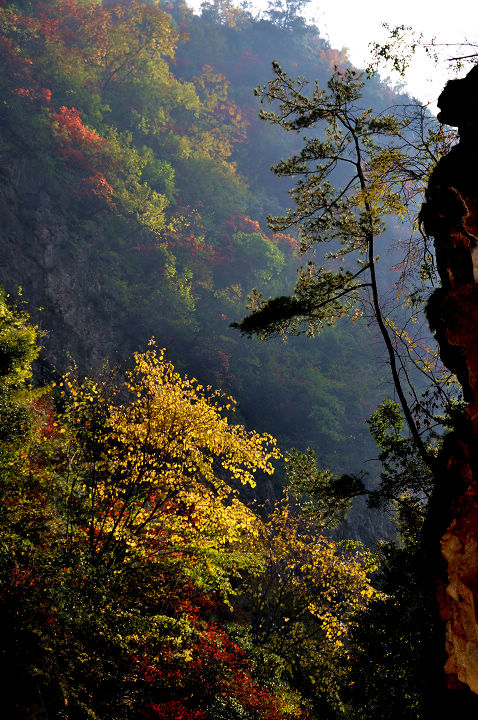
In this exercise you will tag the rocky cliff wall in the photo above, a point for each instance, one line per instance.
(450, 215)
(59, 278)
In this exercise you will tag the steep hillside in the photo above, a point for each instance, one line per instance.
(134, 189)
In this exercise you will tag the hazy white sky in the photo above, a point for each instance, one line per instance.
(355, 24)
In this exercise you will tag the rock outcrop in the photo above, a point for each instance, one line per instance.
(89, 296)
(59, 277)
(450, 215)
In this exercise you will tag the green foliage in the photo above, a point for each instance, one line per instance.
(405, 477)
(405, 485)
(361, 149)
(18, 349)
(153, 165)
(323, 498)
(18, 345)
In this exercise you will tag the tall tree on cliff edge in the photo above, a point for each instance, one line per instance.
(354, 171)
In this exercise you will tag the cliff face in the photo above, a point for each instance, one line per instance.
(60, 279)
(450, 215)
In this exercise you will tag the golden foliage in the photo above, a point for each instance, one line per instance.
(158, 456)
(305, 596)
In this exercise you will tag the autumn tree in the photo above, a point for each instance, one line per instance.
(302, 600)
(122, 544)
(158, 460)
(355, 169)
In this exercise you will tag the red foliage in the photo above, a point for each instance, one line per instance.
(16, 69)
(250, 57)
(96, 184)
(50, 25)
(192, 244)
(225, 255)
(71, 24)
(217, 668)
(286, 241)
(172, 710)
(22, 578)
(240, 223)
(45, 413)
(81, 147)
(256, 699)
(71, 128)
(34, 94)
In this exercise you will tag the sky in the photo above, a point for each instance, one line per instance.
(355, 24)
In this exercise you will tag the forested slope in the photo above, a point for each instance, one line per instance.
(134, 189)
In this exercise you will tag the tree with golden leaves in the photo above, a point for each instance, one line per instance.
(302, 600)
(158, 456)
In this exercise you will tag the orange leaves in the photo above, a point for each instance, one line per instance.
(96, 184)
(34, 94)
(334, 58)
(71, 128)
(82, 147)
(286, 241)
(74, 26)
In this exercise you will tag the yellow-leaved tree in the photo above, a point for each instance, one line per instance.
(154, 458)
(303, 600)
